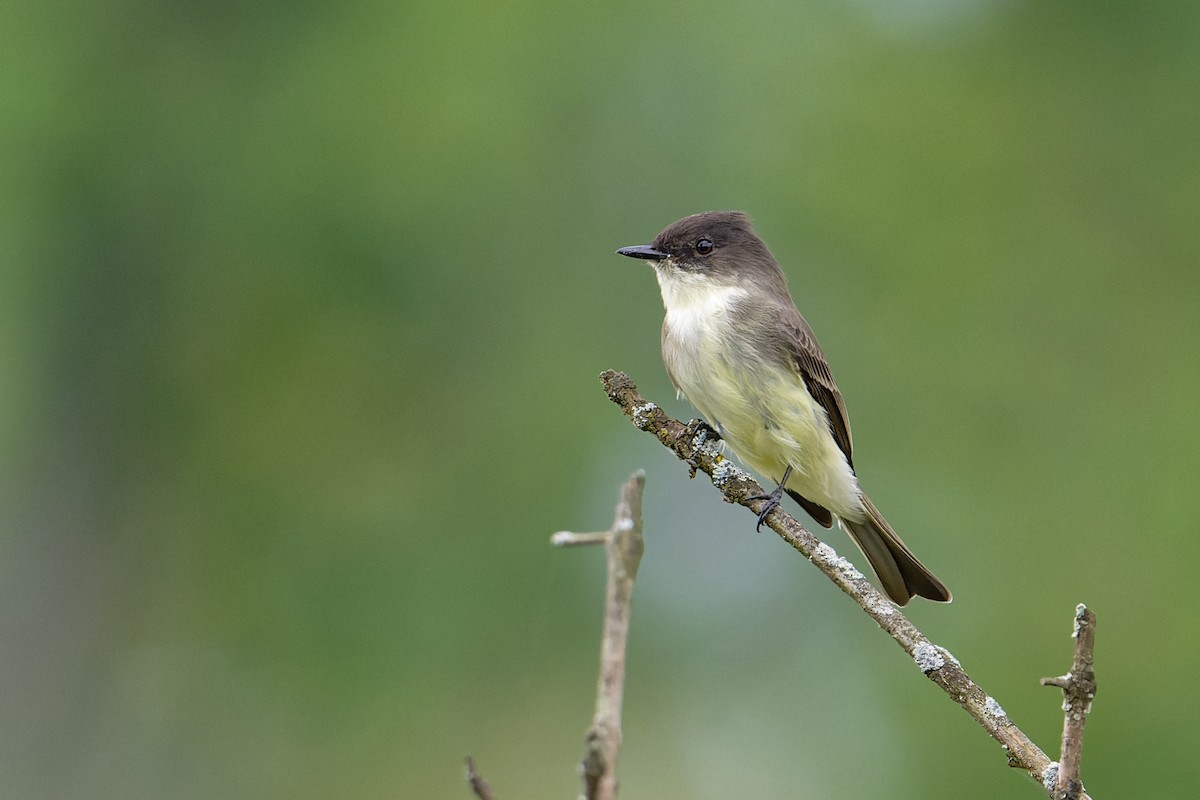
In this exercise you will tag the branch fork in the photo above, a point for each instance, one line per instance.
(1078, 688)
(623, 546)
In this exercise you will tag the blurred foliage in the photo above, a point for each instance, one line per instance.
(301, 312)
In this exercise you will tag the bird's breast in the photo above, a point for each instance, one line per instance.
(700, 344)
(759, 404)
(713, 359)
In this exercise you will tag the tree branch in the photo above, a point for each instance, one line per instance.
(479, 787)
(1079, 687)
(692, 444)
(623, 545)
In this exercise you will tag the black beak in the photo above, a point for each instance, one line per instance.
(643, 251)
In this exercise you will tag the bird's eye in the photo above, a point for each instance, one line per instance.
(704, 247)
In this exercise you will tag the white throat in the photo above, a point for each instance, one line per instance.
(693, 302)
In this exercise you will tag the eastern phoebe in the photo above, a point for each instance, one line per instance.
(736, 347)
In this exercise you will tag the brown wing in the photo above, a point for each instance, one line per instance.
(806, 354)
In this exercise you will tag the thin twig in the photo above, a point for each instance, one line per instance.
(692, 444)
(1079, 687)
(623, 545)
(478, 785)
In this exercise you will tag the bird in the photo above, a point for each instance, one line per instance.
(736, 347)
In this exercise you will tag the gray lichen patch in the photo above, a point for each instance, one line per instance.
(929, 657)
(992, 707)
(1050, 776)
(724, 472)
(641, 415)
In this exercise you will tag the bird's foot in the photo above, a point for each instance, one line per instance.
(700, 432)
(772, 503)
(772, 499)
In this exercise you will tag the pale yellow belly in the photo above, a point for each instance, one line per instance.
(771, 422)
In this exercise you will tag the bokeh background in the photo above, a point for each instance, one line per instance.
(301, 312)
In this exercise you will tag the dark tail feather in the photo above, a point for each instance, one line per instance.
(821, 514)
(899, 571)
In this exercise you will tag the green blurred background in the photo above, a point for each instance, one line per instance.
(301, 312)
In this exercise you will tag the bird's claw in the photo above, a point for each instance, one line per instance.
(772, 499)
(699, 432)
(772, 503)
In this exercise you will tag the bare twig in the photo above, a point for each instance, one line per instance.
(478, 785)
(623, 544)
(692, 444)
(1079, 687)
